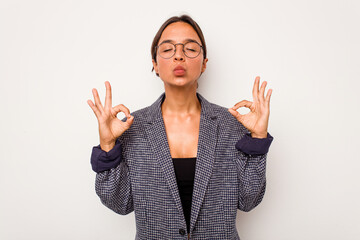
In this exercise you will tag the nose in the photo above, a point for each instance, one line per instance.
(179, 53)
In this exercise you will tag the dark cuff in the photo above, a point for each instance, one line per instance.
(254, 146)
(101, 160)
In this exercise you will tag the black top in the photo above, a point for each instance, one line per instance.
(185, 173)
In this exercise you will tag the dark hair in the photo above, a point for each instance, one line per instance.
(182, 18)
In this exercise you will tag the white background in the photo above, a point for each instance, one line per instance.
(52, 53)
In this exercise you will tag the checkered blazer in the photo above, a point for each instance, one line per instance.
(144, 181)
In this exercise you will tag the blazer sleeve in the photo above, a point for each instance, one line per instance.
(251, 165)
(112, 183)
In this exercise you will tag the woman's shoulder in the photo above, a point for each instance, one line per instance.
(222, 114)
(137, 129)
(149, 113)
(217, 110)
(142, 114)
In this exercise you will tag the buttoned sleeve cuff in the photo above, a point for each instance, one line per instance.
(254, 146)
(102, 161)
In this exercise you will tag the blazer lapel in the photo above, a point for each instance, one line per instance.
(205, 156)
(155, 130)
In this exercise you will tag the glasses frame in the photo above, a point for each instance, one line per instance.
(183, 47)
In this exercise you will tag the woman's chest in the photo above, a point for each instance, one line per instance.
(182, 136)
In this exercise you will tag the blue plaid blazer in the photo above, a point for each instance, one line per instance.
(138, 175)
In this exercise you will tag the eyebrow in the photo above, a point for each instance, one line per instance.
(172, 41)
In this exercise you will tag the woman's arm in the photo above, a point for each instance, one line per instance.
(251, 166)
(112, 183)
(253, 147)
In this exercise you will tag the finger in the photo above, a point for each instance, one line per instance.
(122, 108)
(94, 108)
(256, 88)
(243, 103)
(130, 120)
(262, 91)
(97, 101)
(108, 97)
(268, 95)
(236, 114)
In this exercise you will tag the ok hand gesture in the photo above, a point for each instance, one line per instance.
(110, 127)
(256, 121)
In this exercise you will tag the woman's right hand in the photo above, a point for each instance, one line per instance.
(110, 127)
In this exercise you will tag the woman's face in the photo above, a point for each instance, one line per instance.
(180, 70)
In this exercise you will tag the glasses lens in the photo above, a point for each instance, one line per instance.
(166, 50)
(192, 49)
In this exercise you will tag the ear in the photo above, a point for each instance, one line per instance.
(155, 67)
(204, 65)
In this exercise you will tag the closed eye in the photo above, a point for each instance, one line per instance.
(191, 50)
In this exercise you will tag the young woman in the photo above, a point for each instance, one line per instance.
(183, 165)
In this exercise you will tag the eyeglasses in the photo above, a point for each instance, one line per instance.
(190, 49)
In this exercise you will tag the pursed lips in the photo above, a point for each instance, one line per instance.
(179, 70)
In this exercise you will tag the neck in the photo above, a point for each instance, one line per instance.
(180, 101)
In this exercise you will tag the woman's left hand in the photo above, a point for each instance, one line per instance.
(256, 121)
